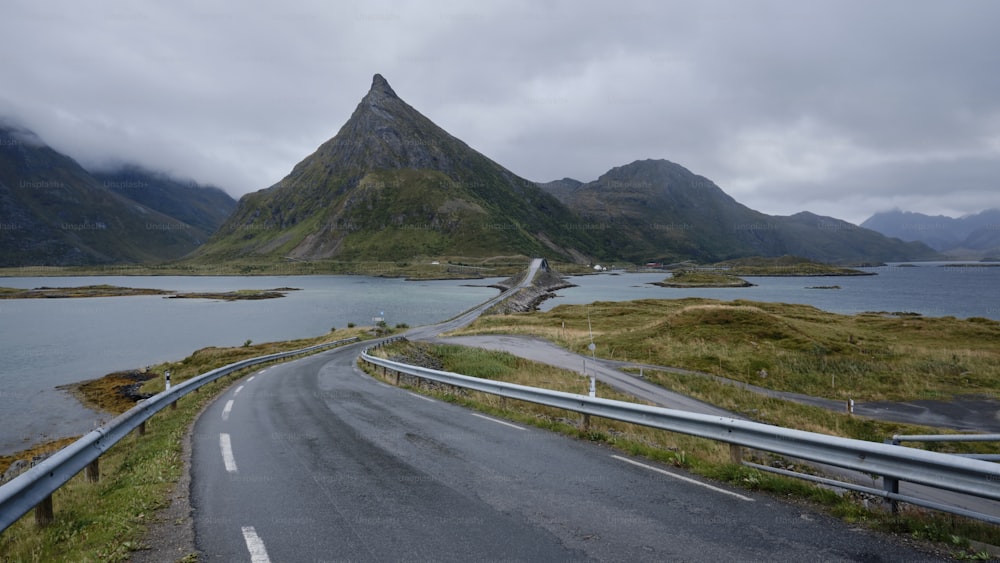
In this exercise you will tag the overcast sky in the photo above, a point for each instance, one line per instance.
(841, 107)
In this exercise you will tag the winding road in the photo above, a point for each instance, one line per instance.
(313, 460)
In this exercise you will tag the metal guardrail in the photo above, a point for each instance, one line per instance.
(36, 485)
(899, 438)
(893, 463)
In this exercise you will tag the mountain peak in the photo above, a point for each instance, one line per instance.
(380, 88)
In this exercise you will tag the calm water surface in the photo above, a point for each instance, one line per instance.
(45, 343)
(934, 289)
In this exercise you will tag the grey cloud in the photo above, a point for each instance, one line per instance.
(237, 93)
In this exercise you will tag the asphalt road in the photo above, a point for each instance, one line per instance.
(540, 350)
(313, 460)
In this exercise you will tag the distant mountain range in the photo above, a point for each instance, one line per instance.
(392, 185)
(655, 209)
(53, 212)
(203, 207)
(971, 236)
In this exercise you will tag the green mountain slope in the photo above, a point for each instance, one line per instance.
(54, 213)
(202, 207)
(391, 184)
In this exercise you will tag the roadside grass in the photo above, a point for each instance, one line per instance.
(785, 347)
(789, 414)
(700, 456)
(107, 520)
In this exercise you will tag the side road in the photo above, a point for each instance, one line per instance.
(969, 414)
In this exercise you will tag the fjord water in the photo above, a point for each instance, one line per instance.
(45, 343)
(932, 289)
(49, 342)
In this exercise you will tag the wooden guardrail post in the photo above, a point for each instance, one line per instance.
(94, 470)
(43, 512)
(736, 454)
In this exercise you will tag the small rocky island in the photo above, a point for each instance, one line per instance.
(702, 278)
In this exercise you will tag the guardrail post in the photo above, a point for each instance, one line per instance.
(585, 422)
(891, 484)
(43, 512)
(173, 406)
(142, 428)
(736, 454)
(94, 470)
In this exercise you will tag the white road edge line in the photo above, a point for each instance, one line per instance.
(251, 378)
(428, 399)
(258, 553)
(683, 478)
(227, 409)
(497, 421)
(237, 392)
(225, 444)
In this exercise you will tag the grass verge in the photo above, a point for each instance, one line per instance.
(106, 521)
(868, 357)
(703, 457)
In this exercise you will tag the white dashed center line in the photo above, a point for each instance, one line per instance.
(237, 392)
(251, 378)
(496, 421)
(683, 478)
(228, 408)
(258, 553)
(227, 453)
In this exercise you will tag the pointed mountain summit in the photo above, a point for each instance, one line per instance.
(389, 185)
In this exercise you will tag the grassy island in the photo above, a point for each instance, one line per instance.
(76, 292)
(786, 266)
(116, 291)
(703, 278)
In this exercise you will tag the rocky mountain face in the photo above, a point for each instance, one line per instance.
(391, 184)
(656, 210)
(971, 236)
(55, 213)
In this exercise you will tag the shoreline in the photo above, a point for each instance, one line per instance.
(90, 291)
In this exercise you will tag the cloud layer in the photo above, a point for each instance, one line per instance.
(840, 107)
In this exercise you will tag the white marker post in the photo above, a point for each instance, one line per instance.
(593, 356)
(166, 379)
(593, 377)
